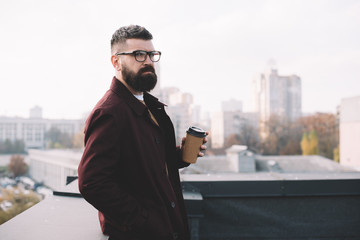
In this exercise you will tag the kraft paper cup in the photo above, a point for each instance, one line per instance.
(193, 142)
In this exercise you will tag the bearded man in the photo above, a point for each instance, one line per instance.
(129, 168)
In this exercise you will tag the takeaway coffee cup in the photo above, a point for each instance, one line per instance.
(194, 139)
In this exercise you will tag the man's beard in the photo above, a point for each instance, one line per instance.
(138, 81)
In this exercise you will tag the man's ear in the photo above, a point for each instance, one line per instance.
(116, 62)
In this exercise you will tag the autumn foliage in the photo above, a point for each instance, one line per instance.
(310, 143)
(17, 166)
(314, 134)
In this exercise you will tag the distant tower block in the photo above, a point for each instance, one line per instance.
(271, 64)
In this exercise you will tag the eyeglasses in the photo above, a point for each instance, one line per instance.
(141, 55)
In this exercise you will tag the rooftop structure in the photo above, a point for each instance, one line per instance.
(52, 167)
(239, 159)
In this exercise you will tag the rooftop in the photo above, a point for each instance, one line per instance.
(220, 206)
(287, 197)
(295, 165)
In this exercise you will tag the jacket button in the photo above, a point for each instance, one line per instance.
(172, 204)
(157, 140)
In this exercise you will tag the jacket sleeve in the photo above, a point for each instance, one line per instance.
(180, 162)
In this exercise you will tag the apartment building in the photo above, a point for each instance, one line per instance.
(32, 130)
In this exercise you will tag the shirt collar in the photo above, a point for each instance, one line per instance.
(139, 97)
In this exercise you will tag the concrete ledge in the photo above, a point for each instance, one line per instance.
(55, 218)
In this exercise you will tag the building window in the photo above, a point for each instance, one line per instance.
(29, 133)
(10, 131)
(38, 133)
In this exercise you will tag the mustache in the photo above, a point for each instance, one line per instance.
(147, 69)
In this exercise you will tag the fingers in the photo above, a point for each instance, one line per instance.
(183, 141)
(205, 138)
(202, 148)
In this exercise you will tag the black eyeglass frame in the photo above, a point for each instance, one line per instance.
(151, 54)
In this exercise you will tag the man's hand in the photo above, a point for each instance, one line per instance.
(202, 147)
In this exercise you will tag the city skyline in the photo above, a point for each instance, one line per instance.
(56, 54)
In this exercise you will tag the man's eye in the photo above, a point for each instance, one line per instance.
(140, 54)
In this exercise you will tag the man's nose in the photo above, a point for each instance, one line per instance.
(148, 60)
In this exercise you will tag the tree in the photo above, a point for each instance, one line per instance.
(327, 129)
(314, 143)
(309, 143)
(78, 140)
(283, 137)
(18, 146)
(57, 139)
(17, 166)
(246, 135)
(294, 135)
(249, 136)
(337, 154)
(233, 139)
(53, 137)
(8, 146)
(305, 145)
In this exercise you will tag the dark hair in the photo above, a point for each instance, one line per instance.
(129, 32)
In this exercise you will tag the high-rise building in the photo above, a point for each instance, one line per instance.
(231, 105)
(217, 130)
(276, 95)
(179, 109)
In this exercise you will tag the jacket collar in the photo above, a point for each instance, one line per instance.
(121, 90)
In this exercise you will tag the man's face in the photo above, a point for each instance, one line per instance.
(140, 76)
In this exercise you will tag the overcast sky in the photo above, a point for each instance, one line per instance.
(56, 54)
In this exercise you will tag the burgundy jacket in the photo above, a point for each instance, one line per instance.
(123, 174)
